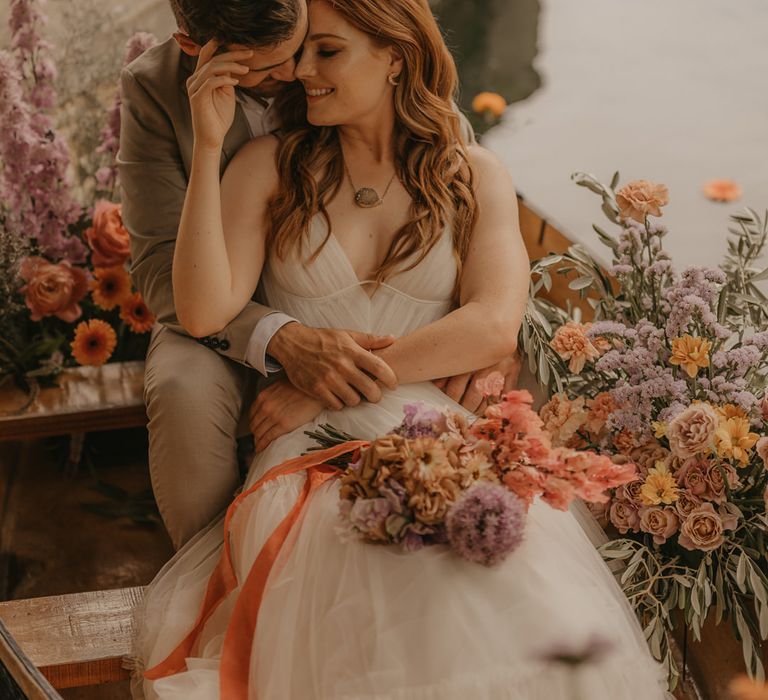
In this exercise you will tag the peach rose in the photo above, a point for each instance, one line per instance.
(686, 503)
(640, 198)
(108, 238)
(714, 478)
(624, 517)
(692, 432)
(631, 492)
(703, 529)
(53, 290)
(762, 449)
(563, 417)
(722, 190)
(648, 453)
(693, 477)
(662, 523)
(571, 343)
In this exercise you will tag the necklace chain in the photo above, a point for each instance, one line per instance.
(359, 196)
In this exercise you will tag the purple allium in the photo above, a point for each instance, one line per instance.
(486, 523)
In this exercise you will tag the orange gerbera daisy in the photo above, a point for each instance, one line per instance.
(136, 314)
(743, 688)
(94, 342)
(111, 286)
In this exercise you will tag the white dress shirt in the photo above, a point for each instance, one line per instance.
(260, 122)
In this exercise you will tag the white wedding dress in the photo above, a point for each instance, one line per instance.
(353, 621)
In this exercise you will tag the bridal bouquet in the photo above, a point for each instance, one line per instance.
(67, 296)
(671, 375)
(439, 478)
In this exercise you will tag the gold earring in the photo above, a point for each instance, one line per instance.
(392, 79)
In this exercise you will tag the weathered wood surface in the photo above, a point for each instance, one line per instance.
(78, 639)
(87, 399)
(19, 678)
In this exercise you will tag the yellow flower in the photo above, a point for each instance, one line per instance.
(659, 428)
(734, 441)
(690, 353)
(659, 487)
(730, 410)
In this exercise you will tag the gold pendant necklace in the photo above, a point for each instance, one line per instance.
(367, 197)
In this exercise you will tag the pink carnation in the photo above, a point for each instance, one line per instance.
(562, 417)
(571, 343)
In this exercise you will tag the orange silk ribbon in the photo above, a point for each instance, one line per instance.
(238, 640)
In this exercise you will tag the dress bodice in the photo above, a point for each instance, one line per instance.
(326, 293)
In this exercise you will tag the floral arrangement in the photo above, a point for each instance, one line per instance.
(670, 375)
(439, 479)
(67, 294)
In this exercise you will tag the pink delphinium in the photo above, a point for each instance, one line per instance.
(486, 524)
(34, 186)
(106, 176)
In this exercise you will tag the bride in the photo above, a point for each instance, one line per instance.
(368, 213)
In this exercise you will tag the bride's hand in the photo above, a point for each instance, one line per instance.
(278, 409)
(211, 90)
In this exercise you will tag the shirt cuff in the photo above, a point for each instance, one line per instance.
(256, 352)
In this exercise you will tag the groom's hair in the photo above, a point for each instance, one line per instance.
(247, 22)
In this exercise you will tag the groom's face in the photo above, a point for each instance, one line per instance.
(271, 66)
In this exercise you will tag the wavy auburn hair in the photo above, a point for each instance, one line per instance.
(430, 156)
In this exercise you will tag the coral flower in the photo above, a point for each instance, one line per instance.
(734, 440)
(640, 198)
(53, 290)
(136, 314)
(94, 342)
(722, 190)
(111, 286)
(489, 102)
(744, 688)
(729, 410)
(690, 353)
(571, 343)
(659, 486)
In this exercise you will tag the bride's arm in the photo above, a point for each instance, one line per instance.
(220, 246)
(493, 290)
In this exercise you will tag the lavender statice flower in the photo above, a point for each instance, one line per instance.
(421, 421)
(109, 139)
(486, 523)
(369, 515)
(759, 340)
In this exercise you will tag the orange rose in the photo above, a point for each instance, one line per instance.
(108, 238)
(135, 313)
(640, 198)
(94, 342)
(53, 290)
(722, 190)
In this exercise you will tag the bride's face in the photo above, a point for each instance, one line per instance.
(343, 71)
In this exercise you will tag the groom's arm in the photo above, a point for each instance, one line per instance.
(154, 183)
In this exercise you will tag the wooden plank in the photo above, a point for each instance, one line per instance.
(87, 399)
(19, 678)
(77, 639)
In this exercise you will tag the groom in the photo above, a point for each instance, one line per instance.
(198, 390)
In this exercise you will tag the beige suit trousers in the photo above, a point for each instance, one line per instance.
(197, 402)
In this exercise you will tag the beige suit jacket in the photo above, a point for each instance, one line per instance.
(154, 162)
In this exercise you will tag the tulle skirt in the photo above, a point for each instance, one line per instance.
(347, 620)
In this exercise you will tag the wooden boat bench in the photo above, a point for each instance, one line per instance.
(71, 640)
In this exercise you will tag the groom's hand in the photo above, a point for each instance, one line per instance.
(463, 389)
(333, 366)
